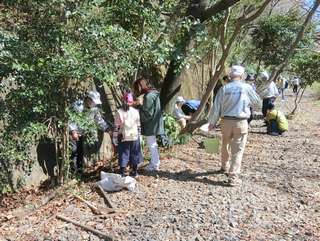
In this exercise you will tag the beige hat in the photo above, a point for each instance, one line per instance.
(236, 71)
(180, 99)
(95, 97)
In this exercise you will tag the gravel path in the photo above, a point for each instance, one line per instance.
(188, 200)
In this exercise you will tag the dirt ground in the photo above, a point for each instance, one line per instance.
(188, 200)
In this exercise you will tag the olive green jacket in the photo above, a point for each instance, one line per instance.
(151, 115)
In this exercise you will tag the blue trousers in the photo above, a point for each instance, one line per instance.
(273, 128)
(129, 152)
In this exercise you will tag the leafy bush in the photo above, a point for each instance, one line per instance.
(172, 130)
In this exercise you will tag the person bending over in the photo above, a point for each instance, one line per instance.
(179, 115)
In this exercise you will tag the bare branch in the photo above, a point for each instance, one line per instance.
(216, 8)
(223, 30)
(256, 14)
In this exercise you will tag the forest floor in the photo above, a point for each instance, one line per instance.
(188, 200)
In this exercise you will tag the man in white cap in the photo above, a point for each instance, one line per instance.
(89, 107)
(232, 104)
(268, 93)
(179, 115)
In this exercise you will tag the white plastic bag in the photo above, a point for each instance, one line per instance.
(205, 127)
(111, 182)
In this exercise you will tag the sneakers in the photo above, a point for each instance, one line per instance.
(234, 181)
(151, 168)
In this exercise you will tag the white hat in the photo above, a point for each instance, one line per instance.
(180, 99)
(95, 97)
(236, 71)
(264, 75)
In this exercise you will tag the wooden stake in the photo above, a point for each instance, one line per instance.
(104, 196)
(94, 209)
(92, 230)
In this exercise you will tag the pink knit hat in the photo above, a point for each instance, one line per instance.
(128, 98)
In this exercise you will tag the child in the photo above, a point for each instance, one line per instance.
(126, 136)
(277, 123)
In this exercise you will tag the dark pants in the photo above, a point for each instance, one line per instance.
(273, 129)
(77, 152)
(265, 104)
(129, 152)
(295, 89)
(251, 115)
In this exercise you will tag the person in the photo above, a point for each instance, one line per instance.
(179, 115)
(126, 135)
(232, 105)
(190, 106)
(283, 86)
(295, 84)
(250, 80)
(269, 93)
(77, 134)
(277, 122)
(151, 118)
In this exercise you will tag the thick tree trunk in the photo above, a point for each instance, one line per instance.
(109, 104)
(171, 85)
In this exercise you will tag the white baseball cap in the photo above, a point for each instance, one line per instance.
(236, 71)
(264, 75)
(95, 97)
(180, 99)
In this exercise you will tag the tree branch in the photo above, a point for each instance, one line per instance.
(217, 8)
(256, 14)
(223, 30)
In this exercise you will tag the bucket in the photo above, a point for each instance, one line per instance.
(211, 145)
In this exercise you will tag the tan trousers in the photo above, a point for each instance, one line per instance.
(234, 139)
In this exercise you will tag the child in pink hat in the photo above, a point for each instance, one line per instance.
(126, 135)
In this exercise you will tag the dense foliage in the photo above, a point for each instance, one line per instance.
(272, 37)
(51, 52)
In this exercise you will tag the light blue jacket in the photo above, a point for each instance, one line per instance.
(271, 90)
(234, 100)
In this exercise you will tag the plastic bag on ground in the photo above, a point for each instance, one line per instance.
(111, 182)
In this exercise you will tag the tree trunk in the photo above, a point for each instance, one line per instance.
(171, 85)
(218, 72)
(108, 100)
(296, 101)
(297, 40)
(226, 50)
(197, 10)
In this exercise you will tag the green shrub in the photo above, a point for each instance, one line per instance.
(172, 130)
